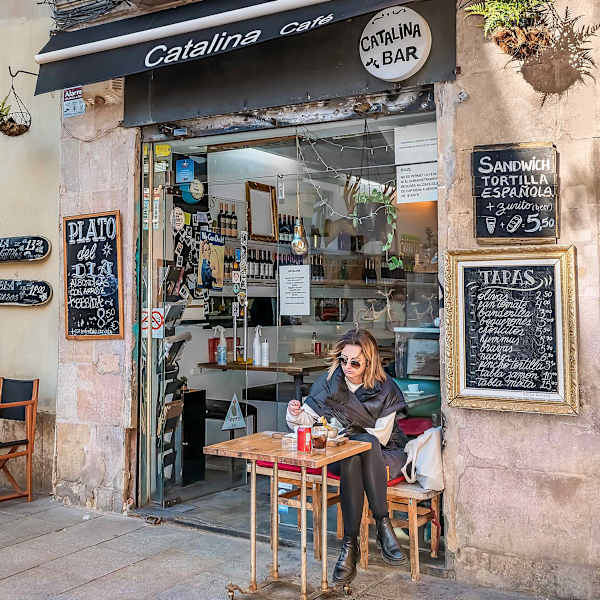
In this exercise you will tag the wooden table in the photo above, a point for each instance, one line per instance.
(297, 369)
(263, 446)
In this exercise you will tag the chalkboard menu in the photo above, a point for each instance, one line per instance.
(510, 325)
(26, 247)
(93, 276)
(511, 329)
(515, 192)
(19, 292)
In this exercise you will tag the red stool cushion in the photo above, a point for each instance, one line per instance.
(295, 469)
(415, 425)
(292, 468)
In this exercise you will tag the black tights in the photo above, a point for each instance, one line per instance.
(360, 474)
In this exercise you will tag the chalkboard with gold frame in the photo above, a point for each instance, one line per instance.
(511, 329)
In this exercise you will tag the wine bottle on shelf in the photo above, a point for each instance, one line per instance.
(282, 233)
(234, 222)
(220, 219)
(225, 231)
(274, 266)
(286, 230)
(262, 265)
(250, 264)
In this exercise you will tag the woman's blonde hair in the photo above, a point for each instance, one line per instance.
(360, 337)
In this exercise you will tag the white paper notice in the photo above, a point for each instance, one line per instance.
(294, 290)
(416, 156)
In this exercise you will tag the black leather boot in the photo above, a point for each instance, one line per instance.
(388, 543)
(345, 567)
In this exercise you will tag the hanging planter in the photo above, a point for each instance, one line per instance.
(15, 118)
(517, 27)
(376, 212)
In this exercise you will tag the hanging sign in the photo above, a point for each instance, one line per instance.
(511, 329)
(73, 102)
(24, 248)
(395, 44)
(19, 292)
(93, 276)
(234, 418)
(515, 191)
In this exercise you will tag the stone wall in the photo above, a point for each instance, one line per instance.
(522, 490)
(96, 403)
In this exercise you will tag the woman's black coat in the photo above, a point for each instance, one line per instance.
(359, 410)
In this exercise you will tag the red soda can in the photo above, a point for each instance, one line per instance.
(317, 348)
(304, 439)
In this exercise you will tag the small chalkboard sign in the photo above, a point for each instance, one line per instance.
(511, 330)
(515, 192)
(93, 276)
(24, 248)
(21, 292)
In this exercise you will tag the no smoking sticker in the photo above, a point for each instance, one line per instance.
(158, 322)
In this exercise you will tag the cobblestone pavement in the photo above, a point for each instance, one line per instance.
(51, 551)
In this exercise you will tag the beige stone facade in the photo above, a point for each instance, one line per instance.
(522, 489)
(519, 502)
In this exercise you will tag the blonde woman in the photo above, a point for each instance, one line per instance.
(356, 394)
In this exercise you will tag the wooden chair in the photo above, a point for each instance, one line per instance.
(18, 402)
(313, 493)
(405, 497)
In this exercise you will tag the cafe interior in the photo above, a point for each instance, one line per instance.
(358, 198)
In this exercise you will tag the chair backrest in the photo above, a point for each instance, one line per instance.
(14, 390)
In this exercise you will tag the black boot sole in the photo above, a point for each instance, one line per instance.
(392, 561)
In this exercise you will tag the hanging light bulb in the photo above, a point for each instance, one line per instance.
(299, 245)
(299, 241)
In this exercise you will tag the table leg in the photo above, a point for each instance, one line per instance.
(299, 380)
(324, 586)
(303, 589)
(275, 521)
(253, 586)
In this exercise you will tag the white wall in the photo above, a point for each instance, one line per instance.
(29, 167)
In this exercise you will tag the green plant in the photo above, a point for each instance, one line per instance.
(4, 109)
(507, 13)
(386, 199)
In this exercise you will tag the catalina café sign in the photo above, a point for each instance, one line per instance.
(395, 44)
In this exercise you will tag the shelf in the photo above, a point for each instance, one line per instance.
(417, 330)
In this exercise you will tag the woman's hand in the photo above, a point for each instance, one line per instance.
(294, 407)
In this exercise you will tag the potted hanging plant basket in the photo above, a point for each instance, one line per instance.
(375, 213)
(517, 27)
(15, 119)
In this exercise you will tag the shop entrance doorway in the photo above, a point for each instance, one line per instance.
(236, 323)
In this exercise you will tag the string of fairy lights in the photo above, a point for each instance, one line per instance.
(306, 138)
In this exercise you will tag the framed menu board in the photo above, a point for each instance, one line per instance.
(93, 276)
(511, 329)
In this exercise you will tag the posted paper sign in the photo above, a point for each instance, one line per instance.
(416, 160)
(294, 290)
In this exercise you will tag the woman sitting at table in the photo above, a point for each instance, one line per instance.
(357, 395)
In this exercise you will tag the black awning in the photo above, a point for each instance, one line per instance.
(142, 43)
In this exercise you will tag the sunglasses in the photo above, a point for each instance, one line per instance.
(355, 364)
